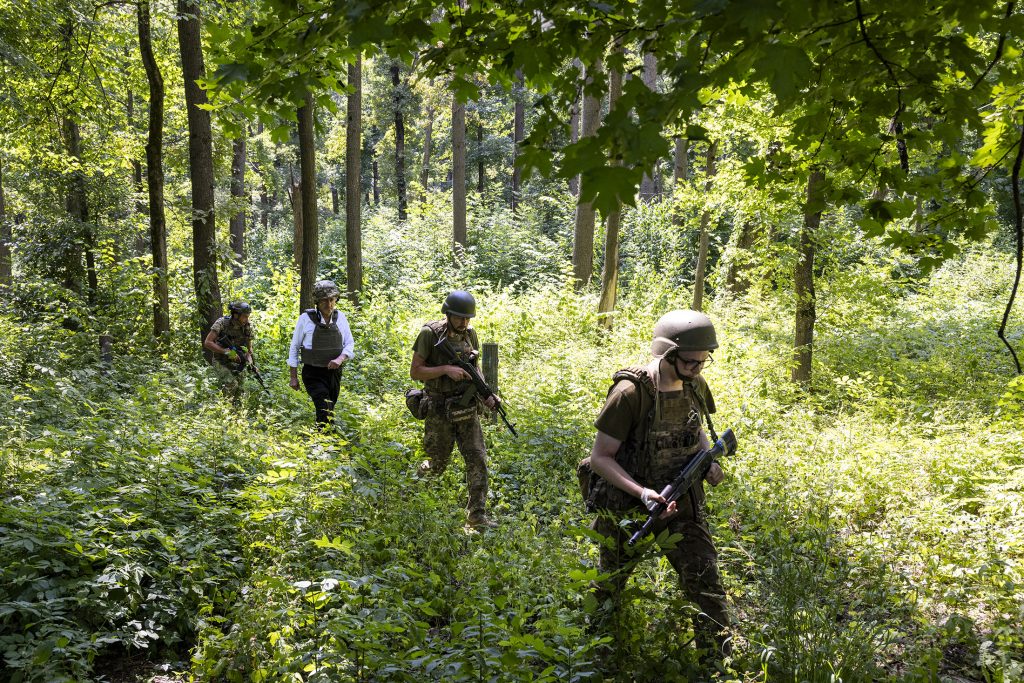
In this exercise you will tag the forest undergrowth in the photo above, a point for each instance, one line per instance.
(869, 529)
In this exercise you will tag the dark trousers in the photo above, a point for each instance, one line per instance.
(323, 386)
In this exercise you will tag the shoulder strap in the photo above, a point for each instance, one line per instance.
(698, 397)
(473, 339)
(313, 315)
(639, 376)
(437, 327)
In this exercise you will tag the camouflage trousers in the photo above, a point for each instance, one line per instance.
(694, 558)
(439, 438)
(230, 382)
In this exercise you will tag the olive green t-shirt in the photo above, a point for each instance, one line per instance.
(627, 405)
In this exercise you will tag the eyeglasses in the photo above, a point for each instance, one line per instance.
(696, 364)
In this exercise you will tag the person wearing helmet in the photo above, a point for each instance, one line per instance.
(230, 342)
(323, 342)
(452, 416)
(653, 421)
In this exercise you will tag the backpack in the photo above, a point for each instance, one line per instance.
(597, 493)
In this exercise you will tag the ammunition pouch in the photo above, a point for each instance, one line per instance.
(418, 403)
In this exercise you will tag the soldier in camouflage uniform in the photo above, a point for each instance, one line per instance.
(452, 416)
(650, 426)
(231, 330)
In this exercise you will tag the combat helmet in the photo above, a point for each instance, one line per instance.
(683, 331)
(239, 308)
(325, 289)
(459, 303)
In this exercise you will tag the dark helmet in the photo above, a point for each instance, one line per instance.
(683, 331)
(239, 308)
(325, 289)
(459, 303)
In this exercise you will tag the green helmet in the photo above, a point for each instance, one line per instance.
(325, 289)
(459, 303)
(239, 308)
(683, 331)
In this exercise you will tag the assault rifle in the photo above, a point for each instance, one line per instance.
(243, 362)
(482, 390)
(692, 473)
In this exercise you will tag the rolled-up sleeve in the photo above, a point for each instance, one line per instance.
(293, 350)
(348, 344)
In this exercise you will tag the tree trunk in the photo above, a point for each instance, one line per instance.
(238, 199)
(479, 159)
(574, 133)
(705, 220)
(353, 169)
(264, 196)
(200, 155)
(78, 209)
(610, 273)
(680, 173)
(803, 282)
(5, 235)
(295, 199)
(428, 135)
(310, 225)
(648, 186)
(376, 181)
(459, 174)
(736, 280)
(335, 200)
(396, 82)
(583, 234)
(155, 176)
(518, 134)
(141, 239)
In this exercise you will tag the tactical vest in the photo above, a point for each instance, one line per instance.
(235, 334)
(327, 341)
(463, 345)
(664, 437)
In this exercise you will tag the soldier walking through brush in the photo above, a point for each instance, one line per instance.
(651, 425)
(230, 341)
(452, 413)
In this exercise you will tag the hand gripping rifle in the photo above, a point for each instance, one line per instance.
(692, 473)
(482, 390)
(243, 363)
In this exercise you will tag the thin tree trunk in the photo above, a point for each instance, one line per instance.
(736, 280)
(376, 181)
(583, 233)
(78, 208)
(459, 174)
(264, 197)
(518, 134)
(574, 132)
(428, 135)
(238, 161)
(705, 221)
(610, 273)
(396, 83)
(680, 173)
(5, 235)
(803, 282)
(479, 159)
(141, 239)
(310, 225)
(155, 176)
(295, 199)
(200, 154)
(335, 200)
(353, 169)
(648, 186)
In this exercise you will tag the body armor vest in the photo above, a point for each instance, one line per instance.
(327, 342)
(463, 344)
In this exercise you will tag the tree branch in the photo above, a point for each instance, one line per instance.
(999, 47)
(1019, 228)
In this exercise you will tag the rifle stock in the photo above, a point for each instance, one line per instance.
(242, 362)
(692, 473)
